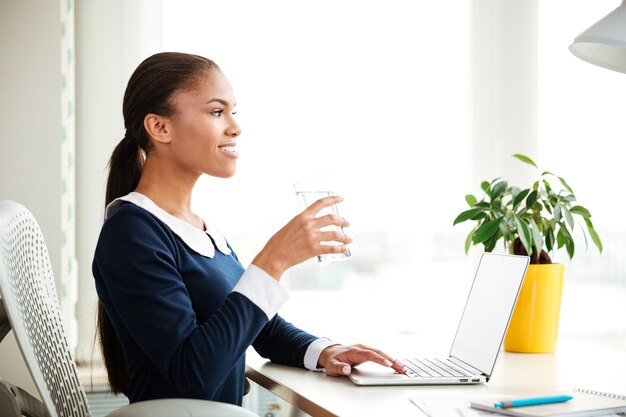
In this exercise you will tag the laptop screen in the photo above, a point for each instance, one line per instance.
(488, 310)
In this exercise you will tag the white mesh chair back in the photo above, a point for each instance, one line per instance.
(28, 292)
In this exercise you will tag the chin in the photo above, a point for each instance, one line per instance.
(223, 174)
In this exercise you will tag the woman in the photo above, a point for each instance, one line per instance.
(177, 310)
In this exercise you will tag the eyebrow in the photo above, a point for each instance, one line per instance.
(219, 100)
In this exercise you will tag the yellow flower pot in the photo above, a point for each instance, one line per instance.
(535, 322)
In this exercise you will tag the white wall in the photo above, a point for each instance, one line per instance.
(504, 50)
(112, 38)
(30, 116)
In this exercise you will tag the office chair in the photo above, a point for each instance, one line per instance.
(30, 307)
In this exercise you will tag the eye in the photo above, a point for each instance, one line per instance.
(217, 112)
(234, 112)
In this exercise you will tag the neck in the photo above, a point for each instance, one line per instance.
(169, 188)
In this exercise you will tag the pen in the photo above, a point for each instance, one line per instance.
(533, 401)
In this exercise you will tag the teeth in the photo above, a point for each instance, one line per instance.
(228, 148)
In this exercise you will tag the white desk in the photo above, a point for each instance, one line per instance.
(573, 365)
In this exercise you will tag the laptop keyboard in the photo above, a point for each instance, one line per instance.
(431, 368)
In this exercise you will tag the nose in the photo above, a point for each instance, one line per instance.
(233, 129)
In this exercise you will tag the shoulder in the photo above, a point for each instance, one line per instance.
(129, 214)
(129, 223)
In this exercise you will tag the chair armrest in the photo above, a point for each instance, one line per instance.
(181, 407)
(15, 402)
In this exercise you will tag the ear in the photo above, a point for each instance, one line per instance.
(157, 127)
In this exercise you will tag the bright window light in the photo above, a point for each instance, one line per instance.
(373, 93)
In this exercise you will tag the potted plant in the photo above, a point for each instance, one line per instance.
(534, 221)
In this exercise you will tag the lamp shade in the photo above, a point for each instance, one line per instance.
(604, 43)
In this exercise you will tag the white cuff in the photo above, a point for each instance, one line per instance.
(263, 290)
(312, 354)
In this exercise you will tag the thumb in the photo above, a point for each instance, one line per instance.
(336, 368)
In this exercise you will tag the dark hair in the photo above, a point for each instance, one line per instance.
(149, 90)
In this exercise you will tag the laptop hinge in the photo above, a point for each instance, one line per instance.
(464, 365)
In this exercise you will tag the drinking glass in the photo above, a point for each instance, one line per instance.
(308, 191)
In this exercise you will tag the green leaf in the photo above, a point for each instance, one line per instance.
(468, 240)
(499, 211)
(568, 241)
(467, 215)
(485, 186)
(560, 239)
(471, 200)
(546, 184)
(535, 185)
(491, 243)
(567, 187)
(504, 230)
(557, 212)
(487, 230)
(549, 236)
(530, 200)
(594, 234)
(524, 233)
(548, 208)
(498, 190)
(520, 197)
(480, 216)
(569, 245)
(514, 192)
(580, 210)
(525, 159)
(537, 239)
(568, 217)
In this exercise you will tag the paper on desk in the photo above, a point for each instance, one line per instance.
(446, 406)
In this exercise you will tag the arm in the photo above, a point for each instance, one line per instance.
(139, 281)
(283, 343)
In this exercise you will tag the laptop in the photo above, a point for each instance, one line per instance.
(479, 335)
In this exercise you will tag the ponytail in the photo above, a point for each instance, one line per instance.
(125, 168)
(149, 90)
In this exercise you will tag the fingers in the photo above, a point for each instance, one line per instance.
(341, 363)
(396, 365)
(337, 368)
(330, 220)
(316, 207)
(334, 236)
(364, 355)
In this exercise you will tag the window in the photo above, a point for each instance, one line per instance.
(581, 133)
(367, 91)
(377, 94)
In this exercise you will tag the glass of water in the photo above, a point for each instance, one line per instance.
(308, 191)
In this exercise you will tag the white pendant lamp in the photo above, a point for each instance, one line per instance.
(604, 43)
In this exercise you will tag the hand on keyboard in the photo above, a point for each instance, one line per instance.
(339, 359)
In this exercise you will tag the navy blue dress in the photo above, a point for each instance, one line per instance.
(183, 330)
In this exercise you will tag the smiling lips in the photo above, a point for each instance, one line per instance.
(229, 149)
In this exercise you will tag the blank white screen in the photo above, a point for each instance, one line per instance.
(488, 310)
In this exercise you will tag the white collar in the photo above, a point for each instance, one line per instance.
(195, 238)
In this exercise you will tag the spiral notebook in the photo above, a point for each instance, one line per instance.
(584, 404)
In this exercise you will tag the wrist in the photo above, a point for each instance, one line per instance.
(326, 354)
(269, 265)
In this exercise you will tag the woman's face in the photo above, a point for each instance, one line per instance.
(203, 127)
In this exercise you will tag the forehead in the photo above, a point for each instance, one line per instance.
(205, 87)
